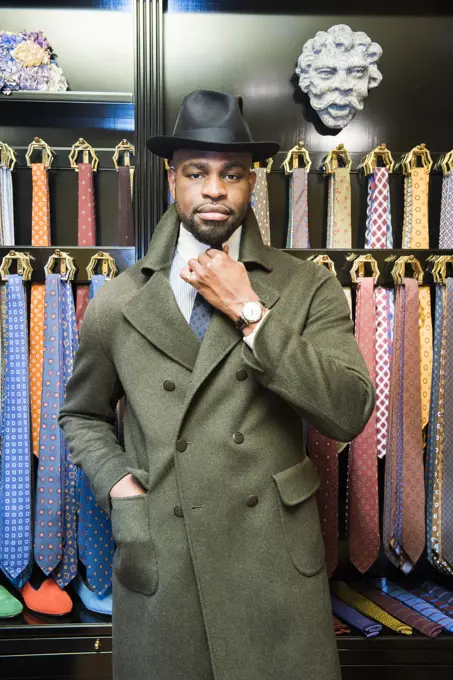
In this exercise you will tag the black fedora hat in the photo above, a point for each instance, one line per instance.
(211, 121)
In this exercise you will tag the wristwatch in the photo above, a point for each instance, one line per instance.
(251, 313)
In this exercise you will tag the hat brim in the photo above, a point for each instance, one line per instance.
(166, 146)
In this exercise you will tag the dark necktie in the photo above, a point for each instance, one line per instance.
(125, 212)
(201, 316)
(15, 496)
(439, 592)
(432, 599)
(446, 498)
(354, 618)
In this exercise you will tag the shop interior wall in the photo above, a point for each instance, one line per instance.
(96, 50)
(254, 54)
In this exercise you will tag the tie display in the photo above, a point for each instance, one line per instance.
(352, 617)
(298, 235)
(379, 217)
(416, 189)
(363, 504)
(95, 541)
(260, 204)
(368, 608)
(414, 602)
(404, 488)
(385, 309)
(398, 610)
(201, 316)
(15, 496)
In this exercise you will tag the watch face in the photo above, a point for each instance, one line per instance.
(252, 311)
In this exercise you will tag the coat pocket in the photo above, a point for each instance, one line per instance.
(297, 487)
(134, 563)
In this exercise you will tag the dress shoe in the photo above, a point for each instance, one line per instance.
(9, 606)
(91, 600)
(48, 599)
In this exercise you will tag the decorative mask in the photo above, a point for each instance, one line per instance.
(336, 69)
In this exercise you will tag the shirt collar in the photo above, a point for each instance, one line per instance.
(188, 246)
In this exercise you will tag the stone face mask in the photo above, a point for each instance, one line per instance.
(336, 69)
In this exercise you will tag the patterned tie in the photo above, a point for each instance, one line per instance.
(67, 569)
(298, 236)
(201, 316)
(426, 351)
(15, 496)
(339, 233)
(40, 236)
(432, 599)
(347, 613)
(363, 504)
(407, 223)
(446, 214)
(49, 498)
(398, 610)
(384, 335)
(96, 545)
(379, 217)
(7, 206)
(324, 454)
(415, 230)
(414, 602)
(437, 591)
(368, 608)
(447, 476)
(125, 208)
(260, 204)
(86, 234)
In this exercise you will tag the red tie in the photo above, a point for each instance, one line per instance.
(363, 516)
(86, 230)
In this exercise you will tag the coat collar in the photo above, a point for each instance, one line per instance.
(154, 312)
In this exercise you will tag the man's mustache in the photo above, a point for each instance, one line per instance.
(329, 100)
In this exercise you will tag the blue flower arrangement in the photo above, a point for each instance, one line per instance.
(27, 62)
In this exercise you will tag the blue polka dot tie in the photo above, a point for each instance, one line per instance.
(15, 492)
(96, 545)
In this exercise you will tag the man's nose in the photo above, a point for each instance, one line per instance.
(214, 187)
(343, 82)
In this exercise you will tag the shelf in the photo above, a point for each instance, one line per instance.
(71, 96)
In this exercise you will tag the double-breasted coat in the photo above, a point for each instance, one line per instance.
(219, 569)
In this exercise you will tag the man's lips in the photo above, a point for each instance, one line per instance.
(210, 212)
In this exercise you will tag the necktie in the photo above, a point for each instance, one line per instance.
(339, 209)
(125, 211)
(426, 351)
(15, 496)
(49, 499)
(432, 599)
(260, 204)
(40, 236)
(363, 505)
(347, 613)
(414, 602)
(201, 316)
(368, 608)
(7, 206)
(447, 471)
(86, 235)
(298, 236)
(438, 591)
(95, 541)
(398, 610)
(384, 332)
(67, 569)
(404, 487)
(340, 627)
(324, 454)
(379, 218)
(446, 214)
(415, 229)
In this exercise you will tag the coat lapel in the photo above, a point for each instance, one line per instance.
(153, 310)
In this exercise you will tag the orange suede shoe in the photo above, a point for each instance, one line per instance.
(48, 599)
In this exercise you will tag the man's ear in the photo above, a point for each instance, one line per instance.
(252, 182)
(171, 176)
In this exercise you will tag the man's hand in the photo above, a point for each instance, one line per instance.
(222, 281)
(127, 486)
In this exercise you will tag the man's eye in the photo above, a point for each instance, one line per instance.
(195, 175)
(232, 177)
(326, 72)
(358, 71)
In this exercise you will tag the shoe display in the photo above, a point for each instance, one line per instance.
(91, 600)
(47, 599)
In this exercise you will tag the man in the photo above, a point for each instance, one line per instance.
(219, 569)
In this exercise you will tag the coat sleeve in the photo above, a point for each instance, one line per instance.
(88, 414)
(317, 367)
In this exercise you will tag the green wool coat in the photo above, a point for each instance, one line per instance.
(219, 569)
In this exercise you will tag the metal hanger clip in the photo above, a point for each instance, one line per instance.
(68, 269)
(89, 155)
(298, 151)
(24, 267)
(331, 162)
(109, 269)
(126, 148)
(359, 264)
(47, 153)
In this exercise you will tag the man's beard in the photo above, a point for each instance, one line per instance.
(211, 232)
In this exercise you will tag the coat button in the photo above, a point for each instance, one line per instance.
(241, 374)
(178, 511)
(169, 385)
(238, 437)
(181, 445)
(252, 500)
